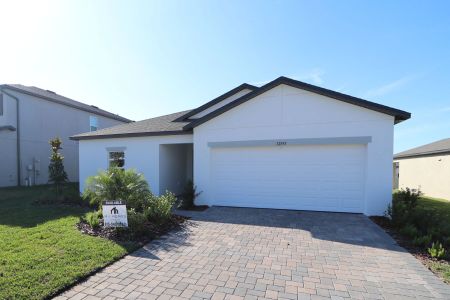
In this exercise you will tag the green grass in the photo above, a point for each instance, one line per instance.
(441, 209)
(41, 250)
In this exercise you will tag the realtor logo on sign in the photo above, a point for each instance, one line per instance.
(115, 214)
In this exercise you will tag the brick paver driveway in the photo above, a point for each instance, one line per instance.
(232, 253)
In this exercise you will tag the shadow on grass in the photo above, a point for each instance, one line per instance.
(18, 205)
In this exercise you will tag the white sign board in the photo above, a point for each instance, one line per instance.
(115, 214)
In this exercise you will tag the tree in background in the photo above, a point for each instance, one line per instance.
(56, 173)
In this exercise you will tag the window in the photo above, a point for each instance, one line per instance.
(116, 159)
(93, 123)
(1, 104)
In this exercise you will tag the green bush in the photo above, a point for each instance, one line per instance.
(409, 230)
(159, 209)
(402, 209)
(422, 241)
(92, 218)
(188, 196)
(436, 250)
(118, 184)
(136, 223)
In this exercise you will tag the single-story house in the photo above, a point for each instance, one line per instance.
(284, 145)
(425, 168)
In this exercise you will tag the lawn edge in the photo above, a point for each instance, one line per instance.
(84, 278)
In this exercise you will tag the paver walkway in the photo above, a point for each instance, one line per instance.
(232, 253)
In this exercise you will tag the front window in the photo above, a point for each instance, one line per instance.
(117, 159)
(93, 123)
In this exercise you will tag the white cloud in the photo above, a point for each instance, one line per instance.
(389, 87)
(314, 75)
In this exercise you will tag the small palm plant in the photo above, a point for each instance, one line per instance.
(118, 184)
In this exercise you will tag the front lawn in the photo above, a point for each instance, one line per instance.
(41, 250)
(439, 207)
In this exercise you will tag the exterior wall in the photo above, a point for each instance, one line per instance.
(40, 121)
(141, 153)
(289, 113)
(429, 174)
(221, 103)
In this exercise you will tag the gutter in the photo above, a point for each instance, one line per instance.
(17, 133)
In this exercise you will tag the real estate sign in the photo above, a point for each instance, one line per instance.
(115, 214)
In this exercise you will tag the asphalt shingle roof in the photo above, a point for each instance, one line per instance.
(437, 147)
(155, 126)
(52, 96)
(179, 123)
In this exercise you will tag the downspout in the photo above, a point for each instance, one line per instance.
(17, 134)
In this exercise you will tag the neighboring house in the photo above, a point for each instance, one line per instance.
(286, 145)
(29, 118)
(425, 168)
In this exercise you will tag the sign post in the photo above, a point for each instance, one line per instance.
(115, 213)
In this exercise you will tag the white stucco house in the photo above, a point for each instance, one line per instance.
(284, 145)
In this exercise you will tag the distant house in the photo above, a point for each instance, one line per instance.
(425, 168)
(29, 118)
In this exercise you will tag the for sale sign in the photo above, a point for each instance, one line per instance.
(115, 214)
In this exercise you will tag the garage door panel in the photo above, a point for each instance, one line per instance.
(320, 177)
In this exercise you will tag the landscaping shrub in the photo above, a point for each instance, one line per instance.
(188, 196)
(159, 209)
(93, 219)
(118, 184)
(56, 172)
(402, 209)
(422, 241)
(436, 250)
(409, 230)
(136, 223)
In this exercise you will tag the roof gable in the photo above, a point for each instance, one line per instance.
(398, 114)
(244, 86)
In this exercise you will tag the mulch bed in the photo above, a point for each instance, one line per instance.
(124, 235)
(418, 252)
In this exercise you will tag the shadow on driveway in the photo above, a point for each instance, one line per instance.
(355, 229)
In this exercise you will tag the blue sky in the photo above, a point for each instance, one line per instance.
(146, 58)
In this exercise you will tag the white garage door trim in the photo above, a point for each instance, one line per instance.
(344, 191)
(302, 141)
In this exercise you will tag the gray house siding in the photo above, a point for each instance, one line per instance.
(40, 121)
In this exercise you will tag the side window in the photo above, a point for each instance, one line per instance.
(93, 123)
(116, 159)
(1, 104)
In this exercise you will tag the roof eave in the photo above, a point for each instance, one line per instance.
(421, 154)
(131, 134)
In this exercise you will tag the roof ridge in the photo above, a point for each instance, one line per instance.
(63, 100)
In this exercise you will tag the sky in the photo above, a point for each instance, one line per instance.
(142, 59)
